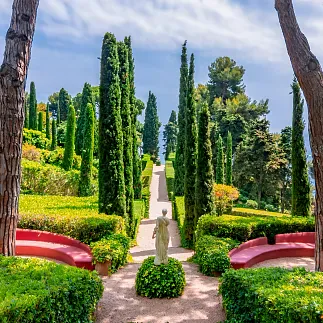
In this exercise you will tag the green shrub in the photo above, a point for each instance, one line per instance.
(252, 204)
(158, 162)
(75, 217)
(212, 254)
(146, 181)
(112, 248)
(272, 295)
(170, 176)
(160, 281)
(270, 208)
(36, 138)
(36, 291)
(50, 180)
(179, 215)
(246, 228)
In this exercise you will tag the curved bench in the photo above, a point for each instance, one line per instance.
(286, 245)
(54, 246)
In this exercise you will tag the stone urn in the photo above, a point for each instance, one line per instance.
(104, 269)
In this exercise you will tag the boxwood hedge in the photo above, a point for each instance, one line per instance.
(75, 217)
(246, 228)
(34, 291)
(272, 295)
(212, 254)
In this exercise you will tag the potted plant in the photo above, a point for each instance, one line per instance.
(102, 257)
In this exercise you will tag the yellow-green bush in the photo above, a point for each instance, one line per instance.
(273, 295)
(72, 216)
(170, 175)
(253, 212)
(36, 138)
(179, 215)
(37, 291)
(50, 180)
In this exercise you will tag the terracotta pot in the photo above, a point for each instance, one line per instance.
(104, 269)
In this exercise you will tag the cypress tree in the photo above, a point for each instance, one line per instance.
(26, 122)
(111, 170)
(64, 103)
(69, 140)
(47, 122)
(127, 133)
(220, 162)
(180, 148)
(58, 116)
(204, 199)
(137, 184)
(87, 152)
(170, 135)
(190, 159)
(86, 99)
(301, 202)
(32, 107)
(40, 121)
(229, 160)
(151, 128)
(54, 135)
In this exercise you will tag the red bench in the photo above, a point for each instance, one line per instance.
(55, 246)
(300, 244)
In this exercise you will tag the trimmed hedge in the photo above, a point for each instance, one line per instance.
(272, 295)
(170, 176)
(246, 228)
(139, 213)
(75, 217)
(212, 254)
(36, 138)
(112, 248)
(160, 281)
(147, 175)
(179, 216)
(252, 212)
(36, 291)
(172, 157)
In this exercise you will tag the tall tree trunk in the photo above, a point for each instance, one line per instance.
(310, 77)
(13, 73)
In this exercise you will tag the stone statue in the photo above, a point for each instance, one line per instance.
(162, 239)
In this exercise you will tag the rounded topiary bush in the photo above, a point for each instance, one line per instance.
(160, 281)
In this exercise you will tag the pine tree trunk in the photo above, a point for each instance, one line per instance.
(13, 73)
(310, 77)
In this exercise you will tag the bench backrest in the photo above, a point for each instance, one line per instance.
(304, 237)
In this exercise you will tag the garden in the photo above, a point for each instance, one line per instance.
(81, 178)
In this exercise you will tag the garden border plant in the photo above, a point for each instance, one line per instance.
(34, 290)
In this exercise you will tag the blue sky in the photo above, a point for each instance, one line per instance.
(69, 34)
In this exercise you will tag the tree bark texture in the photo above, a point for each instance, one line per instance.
(13, 72)
(310, 77)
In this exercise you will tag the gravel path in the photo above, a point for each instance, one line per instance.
(307, 262)
(200, 301)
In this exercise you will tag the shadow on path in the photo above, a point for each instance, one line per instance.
(199, 303)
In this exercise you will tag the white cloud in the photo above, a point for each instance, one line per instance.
(164, 24)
